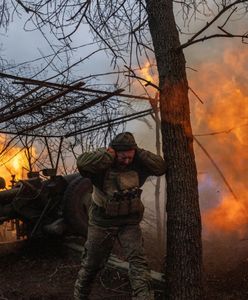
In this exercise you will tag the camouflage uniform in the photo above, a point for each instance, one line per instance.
(106, 224)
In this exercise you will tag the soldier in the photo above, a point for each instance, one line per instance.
(117, 174)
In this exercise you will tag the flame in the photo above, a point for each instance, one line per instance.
(224, 114)
(146, 72)
(149, 73)
(14, 162)
(230, 215)
(222, 85)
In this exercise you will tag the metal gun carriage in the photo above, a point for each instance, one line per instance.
(57, 205)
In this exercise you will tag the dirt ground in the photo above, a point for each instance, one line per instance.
(47, 270)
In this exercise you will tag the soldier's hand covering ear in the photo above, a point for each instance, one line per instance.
(111, 151)
(154, 163)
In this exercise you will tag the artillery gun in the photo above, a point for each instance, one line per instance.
(57, 205)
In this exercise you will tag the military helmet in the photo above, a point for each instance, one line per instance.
(123, 141)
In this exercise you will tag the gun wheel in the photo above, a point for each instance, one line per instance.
(76, 201)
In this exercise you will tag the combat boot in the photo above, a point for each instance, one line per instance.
(80, 294)
(144, 296)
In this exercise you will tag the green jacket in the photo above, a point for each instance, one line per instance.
(95, 166)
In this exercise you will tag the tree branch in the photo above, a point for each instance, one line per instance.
(226, 35)
(148, 83)
(217, 168)
(196, 95)
(193, 40)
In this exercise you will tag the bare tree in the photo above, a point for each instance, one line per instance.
(132, 29)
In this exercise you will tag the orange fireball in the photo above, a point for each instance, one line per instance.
(13, 162)
(223, 118)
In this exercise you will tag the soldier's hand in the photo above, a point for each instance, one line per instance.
(111, 151)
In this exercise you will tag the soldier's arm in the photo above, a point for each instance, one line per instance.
(154, 164)
(90, 163)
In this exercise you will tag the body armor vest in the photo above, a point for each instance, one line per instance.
(121, 193)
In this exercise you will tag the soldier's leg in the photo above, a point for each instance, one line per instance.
(98, 246)
(139, 273)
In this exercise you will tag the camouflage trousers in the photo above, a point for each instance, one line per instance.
(97, 250)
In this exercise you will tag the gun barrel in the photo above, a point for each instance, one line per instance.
(8, 196)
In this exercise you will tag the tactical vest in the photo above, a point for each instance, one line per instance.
(121, 193)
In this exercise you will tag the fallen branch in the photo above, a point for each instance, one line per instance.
(116, 263)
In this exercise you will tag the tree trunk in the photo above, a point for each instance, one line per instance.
(184, 249)
(158, 180)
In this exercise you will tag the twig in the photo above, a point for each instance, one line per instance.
(148, 82)
(226, 32)
(27, 9)
(107, 123)
(70, 266)
(221, 132)
(55, 271)
(59, 153)
(49, 153)
(20, 98)
(227, 19)
(61, 86)
(196, 95)
(217, 168)
(193, 40)
(243, 36)
(116, 290)
(36, 106)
